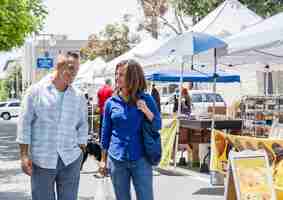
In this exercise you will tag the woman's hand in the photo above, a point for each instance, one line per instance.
(103, 168)
(103, 164)
(143, 107)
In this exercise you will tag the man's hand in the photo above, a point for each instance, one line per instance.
(26, 164)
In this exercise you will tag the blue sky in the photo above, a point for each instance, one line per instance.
(78, 19)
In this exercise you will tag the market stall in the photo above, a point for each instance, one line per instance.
(194, 132)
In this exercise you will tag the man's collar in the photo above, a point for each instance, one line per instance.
(48, 83)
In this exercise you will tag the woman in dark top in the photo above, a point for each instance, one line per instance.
(185, 102)
(121, 133)
(156, 97)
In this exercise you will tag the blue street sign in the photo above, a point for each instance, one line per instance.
(46, 63)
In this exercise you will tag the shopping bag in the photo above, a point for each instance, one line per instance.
(104, 190)
(110, 195)
(100, 193)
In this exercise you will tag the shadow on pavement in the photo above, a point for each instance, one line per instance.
(14, 196)
(86, 198)
(219, 191)
(9, 150)
(169, 172)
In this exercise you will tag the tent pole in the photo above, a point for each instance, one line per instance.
(214, 92)
(179, 114)
(215, 177)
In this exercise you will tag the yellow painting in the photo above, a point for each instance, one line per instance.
(252, 176)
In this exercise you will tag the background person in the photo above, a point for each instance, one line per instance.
(156, 96)
(103, 94)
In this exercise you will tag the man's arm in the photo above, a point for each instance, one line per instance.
(24, 150)
(26, 119)
(24, 131)
(83, 126)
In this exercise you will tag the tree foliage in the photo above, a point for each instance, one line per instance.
(200, 8)
(18, 19)
(4, 90)
(12, 83)
(111, 42)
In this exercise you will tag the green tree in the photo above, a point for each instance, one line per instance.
(200, 8)
(4, 90)
(18, 19)
(13, 82)
(111, 42)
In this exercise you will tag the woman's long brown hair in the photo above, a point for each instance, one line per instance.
(134, 79)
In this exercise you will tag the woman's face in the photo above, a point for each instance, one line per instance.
(120, 77)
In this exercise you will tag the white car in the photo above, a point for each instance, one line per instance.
(9, 109)
(202, 103)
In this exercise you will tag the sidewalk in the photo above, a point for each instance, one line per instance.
(14, 185)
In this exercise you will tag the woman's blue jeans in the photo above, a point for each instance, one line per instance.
(139, 172)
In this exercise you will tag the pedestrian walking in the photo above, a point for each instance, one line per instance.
(53, 127)
(155, 94)
(102, 95)
(122, 142)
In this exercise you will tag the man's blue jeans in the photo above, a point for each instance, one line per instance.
(140, 172)
(66, 178)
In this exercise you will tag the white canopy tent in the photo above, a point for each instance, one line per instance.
(8, 61)
(227, 19)
(217, 23)
(148, 45)
(267, 34)
(261, 43)
(89, 70)
(257, 45)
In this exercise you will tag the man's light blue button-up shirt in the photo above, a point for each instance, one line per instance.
(52, 131)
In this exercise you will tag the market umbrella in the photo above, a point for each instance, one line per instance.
(182, 48)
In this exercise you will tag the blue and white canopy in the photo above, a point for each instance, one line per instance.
(174, 76)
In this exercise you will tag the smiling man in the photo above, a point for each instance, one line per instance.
(53, 127)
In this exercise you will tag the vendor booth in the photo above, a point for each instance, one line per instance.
(194, 132)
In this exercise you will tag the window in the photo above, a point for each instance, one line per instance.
(210, 97)
(14, 104)
(3, 104)
(196, 98)
(219, 98)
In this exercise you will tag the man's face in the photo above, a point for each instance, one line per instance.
(69, 73)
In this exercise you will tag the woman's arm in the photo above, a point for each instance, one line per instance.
(106, 133)
(149, 108)
(106, 130)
